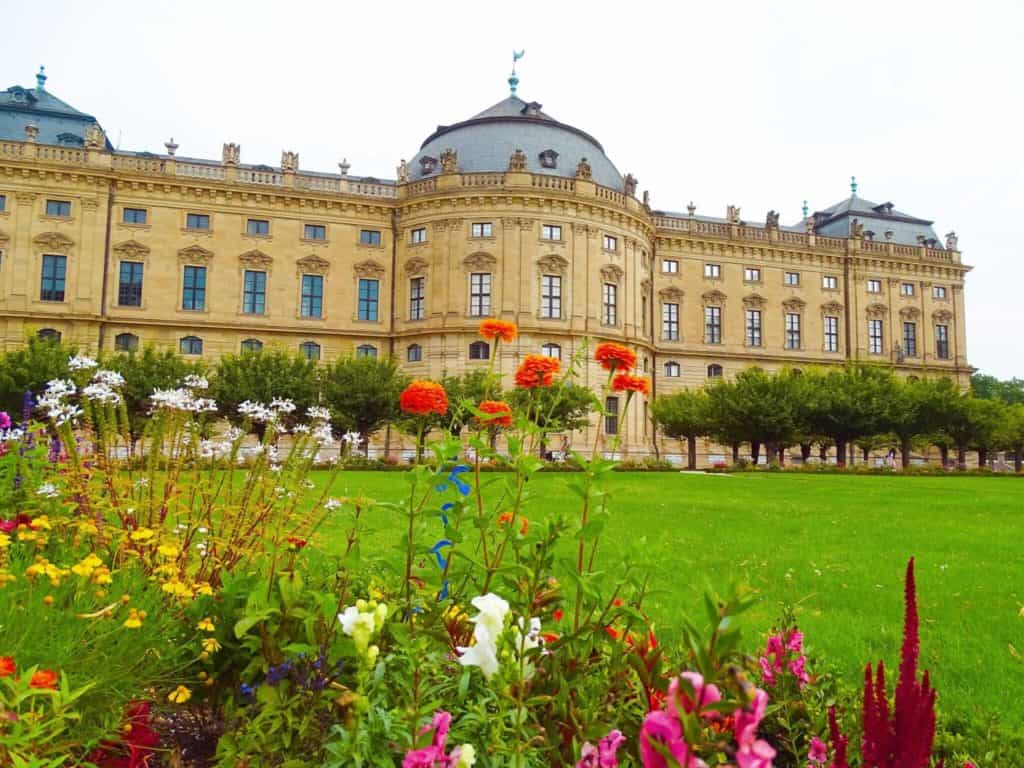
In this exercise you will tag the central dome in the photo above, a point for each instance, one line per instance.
(486, 141)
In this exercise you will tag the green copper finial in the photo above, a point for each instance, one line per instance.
(41, 79)
(806, 210)
(513, 80)
(853, 185)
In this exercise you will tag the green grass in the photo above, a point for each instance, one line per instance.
(833, 546)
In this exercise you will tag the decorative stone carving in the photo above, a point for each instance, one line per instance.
(583, 170)
(771, 220)
(732, 214)
(313, 264)
(553, 263)
(581, 229)
(517, 162)
(629, 185)
(809, 225)
(402, 172)
(194, 254)
(231, 154)
(713, 297)
(449, 161)
(794, 304)
(369, 268)
(53, 241)
(548, 158)
(942, 315)
(646, 285)
(691, 209)
(428, 165)
(26, 197)
(94, 138)
(4, 238)
(171, 147)
(90, 203)
(877, 310)
(909, 313)
(31, 132)
(131, 249)
(951, 241)
(754, 301)
(831, 308)
(416, 266)
(344, 165)
(856, 229)
(889, 234)
(256, 258)
(611, 273)
(647, 198)
(479, 262)
(671, 294)
(510, 222)
(289, 161)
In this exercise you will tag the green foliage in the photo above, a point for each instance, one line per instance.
(362, 393)
(465, 392)
(1010, 391)
(28, 368)
(261, 376)
(561, 408)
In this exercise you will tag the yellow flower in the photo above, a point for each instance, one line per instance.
(101, 576)
(179, 695)
(48, 600)
(176, 588)
(6, 577)
(143, 534)
(88, 528)
(168, 550)
(41, 523)
(202, 588)
(89, 564)
(210, 645)
(134, 621)
(5, 541)
(206, 625)
(26, 534)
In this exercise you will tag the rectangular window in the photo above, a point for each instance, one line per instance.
(312, 296)
(482, 229)
(712, 325)
(643, 313)
(257, 227)
(419, 235)
(910, 339)
(254, 296)
(480, 294)
(831, 334)
(938, 292)
(670, 322)
(792, 330)
(53, 278)
(369, 237)
(417, 296)
(830, 282)
(193, 296)
(3, 203)
(609, 304)
(197, 221)
(906, 289)
(551, 296)
(752, 275)
(611, 416)
(791, 278)
(611, 243)
(314, 232)
(129, 286)
(942, 342)
(134, 216)
(874, 286)
(670, 266)
(58, 208)
(875, 337)
(550, 232)
(369, 299)
(713, 270)
(753, 328)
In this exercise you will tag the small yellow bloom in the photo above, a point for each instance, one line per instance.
(210, 645)
(48, 600)
(88, 528)
(134, 621)
(41, 523)
(143, 534)
(209, 681)
(202, 588)
(206, 625)
(176, 588)
(168, 550)
(99, 594)
(101, 576)
(126, 598)
(5, 541)
(27, 534)
(202, 675)
(179, 695)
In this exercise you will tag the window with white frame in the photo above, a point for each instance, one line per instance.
(481, 229)
(792, 330)
(791, 278)
(672, 369)
(713, 271)
(874, 286)
(670, 321)
(417, 298)
(712, 325)
(419, 235)
(550, 349)
(715, 371)
(753, 327)
(414, 353)
(611, 243)
(670, 266)
(609, 304)
(830, 282)
(480, 294)
(938, 291)
(906, 289)
(910, 339)
(875, 337)
(551, 296)
(751, 275)
(942, 342)
(550, 232)
(831, 333)
(479, 350)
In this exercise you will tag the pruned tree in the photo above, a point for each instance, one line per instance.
(683, 415)
(362, 393)
(261, 376)
(29, 368)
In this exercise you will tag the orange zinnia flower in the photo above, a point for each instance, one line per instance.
(498, 329)
(497, 407)
(615, 357)
(422, 398)
(506, 517)
(537, 371)
(623, 382)
(7, 666)
(44, 678)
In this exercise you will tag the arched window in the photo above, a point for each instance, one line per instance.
(414, 353)
(190, 345)
(126, 342)
(714, 371)
(252, 345)
(48, 334)
(310, 350)
(366, 350)
(551, 350)
(672, 369)
(479, 350)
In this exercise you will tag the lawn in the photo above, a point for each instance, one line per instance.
(835, 547)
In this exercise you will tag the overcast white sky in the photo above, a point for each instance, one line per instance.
(756, 104)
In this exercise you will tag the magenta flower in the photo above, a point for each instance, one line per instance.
(433, 756)
(665, 731)
(798, 667)
(603, 755)
(705, 694)
(5, 420)
(818, 753)
(751, 751)
(795, 643)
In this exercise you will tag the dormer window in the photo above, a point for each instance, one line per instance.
(885, 209)
(532, 109)
(427, 165)
(548, 159)
(70, 139)
(869, 235)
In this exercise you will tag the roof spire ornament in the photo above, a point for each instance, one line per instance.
(805, 209)
(41, 79)
(513, 79)
(853, 186)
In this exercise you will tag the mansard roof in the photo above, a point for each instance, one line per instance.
(58, 121)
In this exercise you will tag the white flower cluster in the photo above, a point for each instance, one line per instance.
(192, 381)
(47, 491)
(258, 412)
(331, 504)
(489, 624)
(322, 434)
(81, 363)
(109, 378)
(100, 393)
(180, 399)
(318, 413)
(361, 622)
(282, 405)
(352, 438)
(53, 401)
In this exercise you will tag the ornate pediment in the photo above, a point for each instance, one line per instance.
(909, 313)
(194, 254)
(713, 297)
(53, 241)
(313, 263)
(256, 258)
(369, 268)
(942, 315)
(611, 273)
(754, 300)
(877, 310)
(671, 294)
(553, 263)
(794, 304)
(416, 266)
(479, 262)
(831, 308)
(131, 249)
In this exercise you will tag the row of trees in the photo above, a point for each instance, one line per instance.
(857, 406)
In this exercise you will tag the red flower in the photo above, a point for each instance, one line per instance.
(623, 382)
(617, 602)
(537, 371)
(558, 614)
(7, 666)
(549, 637)
(422, 398)
(505, 518)
(8, 526)
(612, 632)
(497, 407)
(498, 329)
(135, 750)
(44, 678)
(296, 543)
(615, 357)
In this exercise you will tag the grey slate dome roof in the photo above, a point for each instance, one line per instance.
(58, 122)
(877, 219)
(486, 141)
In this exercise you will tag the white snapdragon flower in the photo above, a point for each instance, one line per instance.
(489, 624)
(48, 491)
(62, 413)
(352, 438)
(192, 381)
(100, 393)
(300, 429)
(332, 504)
(493, 610)
(282, 405)
(258, 412)
(318, 413)
(81, 363)
(109, 378)
(362, 621)
(322, 434)
(58, 389)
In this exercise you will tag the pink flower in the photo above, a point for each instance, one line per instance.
(798, 667)
(428, 757)
(775, 647)
(796, 641)
(433, 756)
(589, 756)
(767, 673)
(663, 729)
(818, 753)
(705, 694)
(5, 420)
(747, 719)
(607, 747)
(756, 755)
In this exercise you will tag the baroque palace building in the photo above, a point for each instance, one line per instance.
(510, 214)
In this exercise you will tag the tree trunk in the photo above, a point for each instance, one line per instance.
(755, 451)
(769, 450)
(982, 457)
(905, 452)
(735, 453)
(944, 455)
(782, 455)
(961, 458)
(853, 454)
(841, 453)
(805, 452)
(867, 453)
(823, 453)
(1018, 459)
(691, 452)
